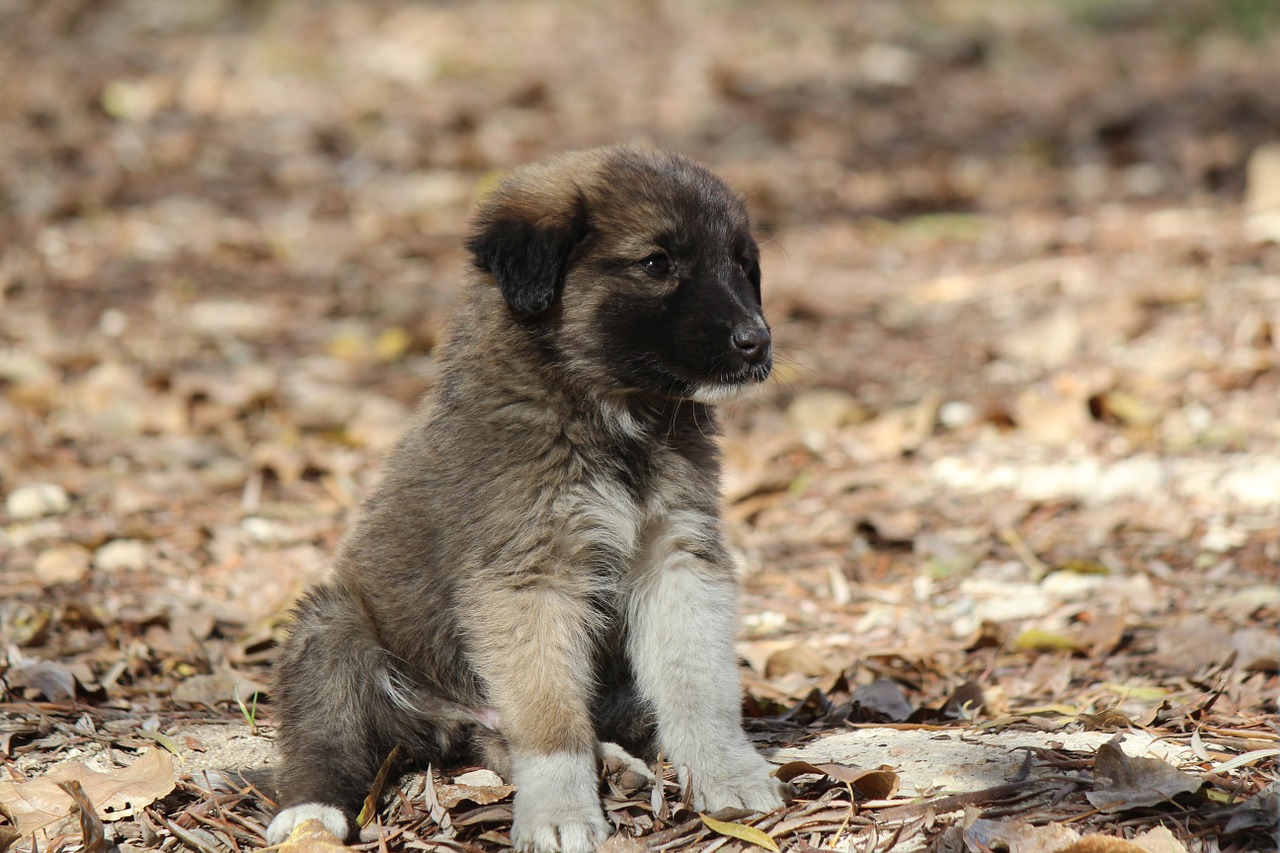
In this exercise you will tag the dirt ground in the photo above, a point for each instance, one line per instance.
(1016, 482)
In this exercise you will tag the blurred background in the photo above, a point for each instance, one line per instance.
(1020, 256)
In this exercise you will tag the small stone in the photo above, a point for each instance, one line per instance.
(479, 779)
(1262, 194)
(36, 500)
(954, 414)
(1262, 179)
(122, 555)
(65, 564)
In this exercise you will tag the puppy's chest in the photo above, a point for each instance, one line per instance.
(611, 512)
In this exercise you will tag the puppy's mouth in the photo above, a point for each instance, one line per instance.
(727, 388)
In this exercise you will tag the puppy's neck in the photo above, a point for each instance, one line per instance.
(522, 362)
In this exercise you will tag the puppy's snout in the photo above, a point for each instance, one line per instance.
(752, 342)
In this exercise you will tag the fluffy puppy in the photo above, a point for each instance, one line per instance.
(542, 570)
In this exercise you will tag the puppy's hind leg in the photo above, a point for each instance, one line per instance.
(342, 707)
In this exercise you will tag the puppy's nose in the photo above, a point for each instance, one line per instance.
(752, 343)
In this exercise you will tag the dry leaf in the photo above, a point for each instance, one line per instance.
(482, 795)
(311, 836)
(92, 834)
(879, 784)
(370, 806)
(1017, 837)
(46, 678)
(1121, 783)
(801, 658)
(1041, 640)
(1192, 643)
(820, 410)
(118, 794)
(1157, 840)
(742, 832)
(884, 697)
(620, 843)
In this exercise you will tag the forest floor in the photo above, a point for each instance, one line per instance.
(1015, 487)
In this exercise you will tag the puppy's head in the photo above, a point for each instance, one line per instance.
(638, 267)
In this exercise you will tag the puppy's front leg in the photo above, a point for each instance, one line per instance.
(533, 648)
(683, 622)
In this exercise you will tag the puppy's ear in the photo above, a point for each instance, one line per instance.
(528, 256)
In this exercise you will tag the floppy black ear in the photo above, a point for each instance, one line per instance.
(528, 260)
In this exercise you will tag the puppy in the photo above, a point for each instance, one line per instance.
(542, 570)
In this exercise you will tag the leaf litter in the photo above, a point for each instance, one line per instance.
(1013, 494)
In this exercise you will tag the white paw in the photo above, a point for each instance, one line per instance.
(284, 823)
(557, 807)
(558, 827)
(740, 781)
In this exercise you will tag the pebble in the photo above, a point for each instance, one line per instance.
(64, 564)
(479, 779)
(121, 555)
(39, 499)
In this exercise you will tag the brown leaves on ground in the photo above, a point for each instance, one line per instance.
(1013, 491)
(43, 803)
(311, 836)
(1121, 783)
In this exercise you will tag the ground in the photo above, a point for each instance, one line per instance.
(1014, 488)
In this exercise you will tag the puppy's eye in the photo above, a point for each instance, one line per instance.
(657, 265)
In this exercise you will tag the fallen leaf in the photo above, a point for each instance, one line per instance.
(742, 832)
(1121, 783)
(164, 740)
(801, 658)
(119, 794)
(878, 784)
(1102, 634)
(1017, 837)
(450, 796)
(214, 689)
(1041, 640)
(93, 835)
(370, 805)
(1157, 840)
(883, 697)
(1192, 643)
(1257, 650)
(821, 410)
(1246, 759)
(965, 702)
(1260, 811)
(620, 843)
(47, 678)
(310, 836)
